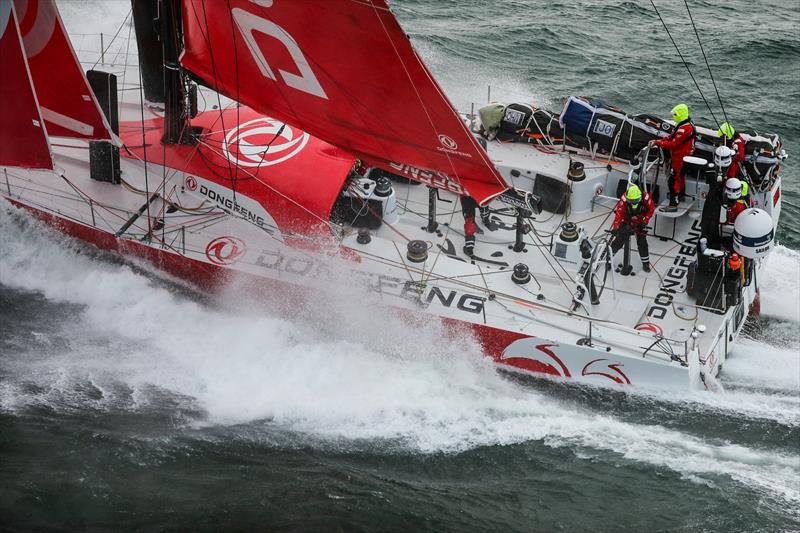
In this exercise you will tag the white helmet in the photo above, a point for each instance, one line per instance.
(733, 189)
(723, 156)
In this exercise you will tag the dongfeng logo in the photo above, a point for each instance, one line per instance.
(447, 142)
(263, 142)
(225, 250)
(190, 182)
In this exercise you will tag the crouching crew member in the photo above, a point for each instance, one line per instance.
(633, 212)
(732, 201)
(679, 143)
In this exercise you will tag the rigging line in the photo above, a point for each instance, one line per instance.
(144, 146)
(236, 71)
(714, 83)
(103, 51)
(685, 64)
(219, 100)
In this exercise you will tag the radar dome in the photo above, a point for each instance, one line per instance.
(753, 233)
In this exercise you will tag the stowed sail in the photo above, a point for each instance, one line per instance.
(344, 71)
(23, 139)
(67, 102)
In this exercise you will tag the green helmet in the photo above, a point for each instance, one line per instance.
(727, 130)
(633, 195)
(680, 113)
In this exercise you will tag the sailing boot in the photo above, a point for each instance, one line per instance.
(646, 266)
(673, 203)
(488, 223)
(469, 235)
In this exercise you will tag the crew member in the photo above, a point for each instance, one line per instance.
(680, 143)
(468, 206)
(732, 201)
(733, 140)
(633, 212)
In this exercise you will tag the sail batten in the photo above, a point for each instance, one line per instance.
(69, 106)
(344, 71)
(23, 137)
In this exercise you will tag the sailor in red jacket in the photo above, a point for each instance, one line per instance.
(732, 201)
(734, 141)
(633, 212)
(680, 143)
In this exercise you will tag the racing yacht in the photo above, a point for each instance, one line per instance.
(302, 172)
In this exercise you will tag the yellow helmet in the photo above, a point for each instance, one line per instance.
(727, 130)
(680, 113)
(634, 194)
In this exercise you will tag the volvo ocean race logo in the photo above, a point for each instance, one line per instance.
(263, 142)
(225, 250)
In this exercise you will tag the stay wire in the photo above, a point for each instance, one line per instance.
(714, 83)
(685, 64)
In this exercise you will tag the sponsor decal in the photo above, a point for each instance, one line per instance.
(649, 326)
(776, 197)
(601, 127)
(440, 180)
(225, 250)
(422, 294)
(249, 23)
(263, 142)
(609, 370)
(242, 205)
(450, 146)
(532, 363)
(447, 142)
(675, 276)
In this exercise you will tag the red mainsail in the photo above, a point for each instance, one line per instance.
(67, 102)
(345, 72)
(23, 139)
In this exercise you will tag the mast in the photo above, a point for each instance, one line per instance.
(151, 57)
(176, 114)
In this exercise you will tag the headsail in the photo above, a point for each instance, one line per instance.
(23, 139)
(344, 71)
(68, 103)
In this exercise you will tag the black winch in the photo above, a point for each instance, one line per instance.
(521, 274)
(417, 251)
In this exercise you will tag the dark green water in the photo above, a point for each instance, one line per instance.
(129, 403)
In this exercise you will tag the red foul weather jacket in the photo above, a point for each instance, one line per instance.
(680, 143)
(638, 220)
(738, 157)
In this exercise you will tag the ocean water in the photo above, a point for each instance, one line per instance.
(127, 401)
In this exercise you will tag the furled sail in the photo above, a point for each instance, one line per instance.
(344, 71)
(23, 139)
(67, 102)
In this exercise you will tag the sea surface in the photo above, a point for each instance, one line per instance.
(130, 402)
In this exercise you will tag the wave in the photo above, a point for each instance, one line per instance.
(138, 345)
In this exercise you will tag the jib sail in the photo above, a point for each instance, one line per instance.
(345, 72)
(23, 139)
(67, 102)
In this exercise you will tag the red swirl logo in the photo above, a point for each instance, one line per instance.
(225, 250)
(263, 142)
(191, 183)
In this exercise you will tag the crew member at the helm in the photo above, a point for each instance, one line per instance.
(680, 143)
(633, 212)
(732, 200)
(733, 140)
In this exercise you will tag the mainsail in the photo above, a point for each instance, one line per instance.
(23, 139)
(67, 102)
(344, 71)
